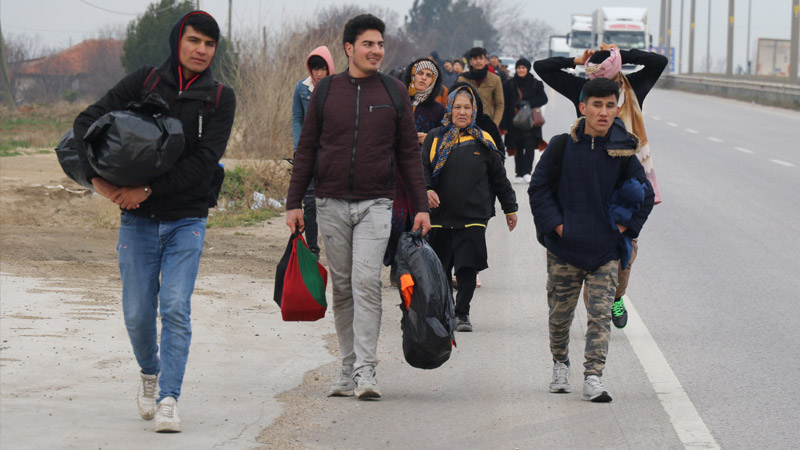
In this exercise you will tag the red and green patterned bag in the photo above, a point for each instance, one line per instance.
(302, 297)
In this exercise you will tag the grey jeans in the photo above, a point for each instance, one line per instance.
(355, 236)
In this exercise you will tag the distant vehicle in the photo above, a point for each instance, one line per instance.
(579, 38)
(558, 46)
(626, 27)
(509, 62)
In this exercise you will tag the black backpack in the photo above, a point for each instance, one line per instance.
(218, 176)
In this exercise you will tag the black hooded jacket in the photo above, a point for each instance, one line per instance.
(183, 191)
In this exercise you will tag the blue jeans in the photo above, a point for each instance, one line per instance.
(148, 248)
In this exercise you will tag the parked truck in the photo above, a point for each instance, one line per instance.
(558, 46)
(626, 27)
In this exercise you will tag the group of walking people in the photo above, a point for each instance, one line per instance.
(374, 157)
(590, 194)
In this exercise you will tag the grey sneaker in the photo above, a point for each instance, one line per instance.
(167, 419)
(344, 386)
(146, 399)
(366, 383)
(463, 324)
(594, 391)
(560, 383)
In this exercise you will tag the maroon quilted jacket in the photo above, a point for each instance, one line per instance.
(356, 156)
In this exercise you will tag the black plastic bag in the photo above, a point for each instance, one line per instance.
(74, 161)
(130, 148)
(428, 321)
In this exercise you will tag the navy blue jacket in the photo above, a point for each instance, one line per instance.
(591, 169)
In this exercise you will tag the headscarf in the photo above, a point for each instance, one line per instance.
(609, 68)
(452, 133)
(418, 97)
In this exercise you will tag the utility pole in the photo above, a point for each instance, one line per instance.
(729, 62)
(680, 43)
(708, 41)
(669, 30)
(749, 15)
(691, 37)
(7, 94)
(794, 47)
(662, 29)
(230, 10)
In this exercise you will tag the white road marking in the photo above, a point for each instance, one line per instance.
(783, 163)
(656, 118)
(689, 130)
(672, 124)
(713, 139)
(744, 150)
(691, 429)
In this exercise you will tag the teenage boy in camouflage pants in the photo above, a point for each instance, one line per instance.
(576, 199)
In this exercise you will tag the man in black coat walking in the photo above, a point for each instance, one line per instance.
(162, 224)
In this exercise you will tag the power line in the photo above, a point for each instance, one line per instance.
(123, 13)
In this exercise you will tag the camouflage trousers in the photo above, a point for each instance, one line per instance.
(563, 289)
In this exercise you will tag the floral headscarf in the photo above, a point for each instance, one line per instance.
(451, 133)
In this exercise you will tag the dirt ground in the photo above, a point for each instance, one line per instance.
(52, 227)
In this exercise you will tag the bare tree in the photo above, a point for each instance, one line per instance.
(527, 38)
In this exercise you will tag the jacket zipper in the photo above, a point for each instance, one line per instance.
(374, 107)
(592, 142)
(351, 187)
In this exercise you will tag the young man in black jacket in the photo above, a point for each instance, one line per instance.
(162, 224)
(572, 193)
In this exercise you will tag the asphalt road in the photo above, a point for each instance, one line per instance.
(710, 357)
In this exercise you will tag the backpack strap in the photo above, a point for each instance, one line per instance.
(394, 93)
(557, 161)
(322, 87)
(151, 81)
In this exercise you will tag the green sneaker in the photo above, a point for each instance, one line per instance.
(619, 315)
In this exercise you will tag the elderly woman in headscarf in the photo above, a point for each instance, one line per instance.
(634, 87)
(424, 81)
(464, 174)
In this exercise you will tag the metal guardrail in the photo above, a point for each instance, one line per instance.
(764, 92)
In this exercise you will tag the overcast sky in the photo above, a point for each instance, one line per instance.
(58, 23)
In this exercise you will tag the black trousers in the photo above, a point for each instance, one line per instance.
(462, 249)
(526, 151)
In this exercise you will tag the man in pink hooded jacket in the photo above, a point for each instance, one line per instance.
(319, 64)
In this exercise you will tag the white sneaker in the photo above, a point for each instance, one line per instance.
(366, 383)
(146, 399)
(519, 180)
(344, 386)
(527, 177)
(560, 383)
(167, 419)
(594, 391)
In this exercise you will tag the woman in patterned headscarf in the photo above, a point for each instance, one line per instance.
(464, 174)
(424, 81)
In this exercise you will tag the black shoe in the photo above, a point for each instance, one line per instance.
(462, 324)
(619, 315)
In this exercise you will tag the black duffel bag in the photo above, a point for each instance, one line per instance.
(72, 157)
(130, 148)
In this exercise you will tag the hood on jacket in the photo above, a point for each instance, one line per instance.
(323, 52)
(620, 142)
(175, 44)
(437, 84)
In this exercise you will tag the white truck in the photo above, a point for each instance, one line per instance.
(626, 27)
(579, 38)
(558, 46)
